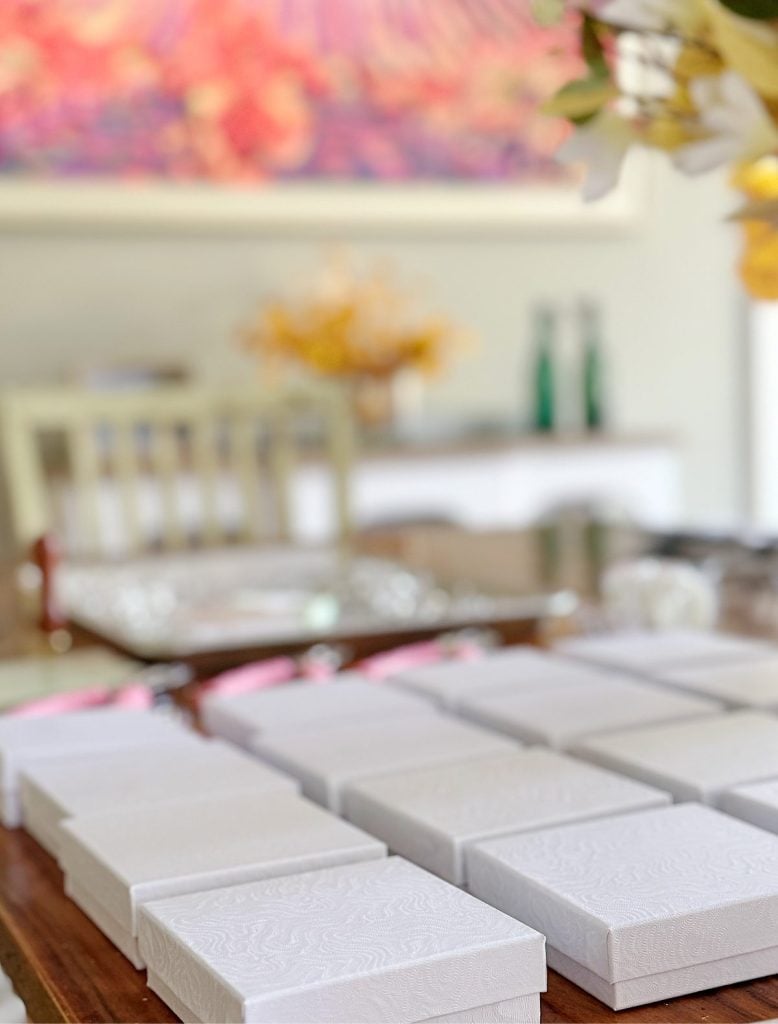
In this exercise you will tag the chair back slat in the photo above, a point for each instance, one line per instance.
(281, 460)
(166, 462)
(82, 441)
(245, 463)
(126, 465)
(23, 470)
(205, 438)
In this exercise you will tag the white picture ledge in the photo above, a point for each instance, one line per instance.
(330, 209)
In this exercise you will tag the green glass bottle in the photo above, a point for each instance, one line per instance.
(544, 412)
(594, 412)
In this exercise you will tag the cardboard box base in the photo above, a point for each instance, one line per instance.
(120, 937)
(10, 808)
(42, 834)
(520, 1010)
(667, 984)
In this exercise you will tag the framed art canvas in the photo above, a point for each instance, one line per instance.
(287, 113)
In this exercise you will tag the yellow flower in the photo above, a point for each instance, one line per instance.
(669, 133)
(759, 263)
(696, 60)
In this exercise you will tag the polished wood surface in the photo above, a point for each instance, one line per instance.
(61, 965)
(65, 969)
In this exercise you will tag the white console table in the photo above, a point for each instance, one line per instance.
(499, 483)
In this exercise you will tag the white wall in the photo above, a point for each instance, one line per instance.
(669, 294)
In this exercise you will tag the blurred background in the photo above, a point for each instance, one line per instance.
(202, 203)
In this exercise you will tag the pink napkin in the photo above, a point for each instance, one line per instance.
(133, 697)
(255, 676)
(427, 652)
(389, 663)
(316, 671)
(59, 703)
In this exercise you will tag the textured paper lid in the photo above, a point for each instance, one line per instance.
(757, 803)
(24, 739)
(429, 814)
(693, 760)
(123, 858)
(747, 684)
(646, 651)
(374, 942)
(511, 669)
(564, 714)
(325, 761)
(639, 894)
(172, 770)
(305, 705)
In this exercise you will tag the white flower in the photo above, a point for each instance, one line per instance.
(601, 145)
(738, 125)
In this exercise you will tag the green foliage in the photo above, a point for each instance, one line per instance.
(592, 48)
(548, 12)
(758, 10)
(581, 100)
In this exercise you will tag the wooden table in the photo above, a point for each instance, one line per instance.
(66, 970)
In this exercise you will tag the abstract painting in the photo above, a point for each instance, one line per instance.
(236, 93)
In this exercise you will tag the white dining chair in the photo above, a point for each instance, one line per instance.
(170, 467)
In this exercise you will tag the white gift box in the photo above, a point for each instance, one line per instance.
(326, 761)
(647, 651)
(757, 803)
(692, 760)
(751, 684)
(561, 715)
(645, 906)
(24, 741)
(364, 944)
(117, 860)
(304, 705)
(58, 788)
(514, 668)
(430, 815)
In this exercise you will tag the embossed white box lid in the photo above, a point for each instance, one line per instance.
(647, 651)
(640, 894)
(57, 788)
(368, 943)
(752, 683)
(430, 815)
(510, 669)
(325, 761)
(756, 802)
(25, 740)
(561, 715)
(349, 697)
(125, 858)
(693, 760)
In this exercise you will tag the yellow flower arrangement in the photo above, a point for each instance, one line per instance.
(353, 326)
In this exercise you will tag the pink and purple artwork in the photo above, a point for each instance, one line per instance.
(233, 91)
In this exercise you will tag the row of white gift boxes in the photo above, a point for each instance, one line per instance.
(465, 774)
(378, 939)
